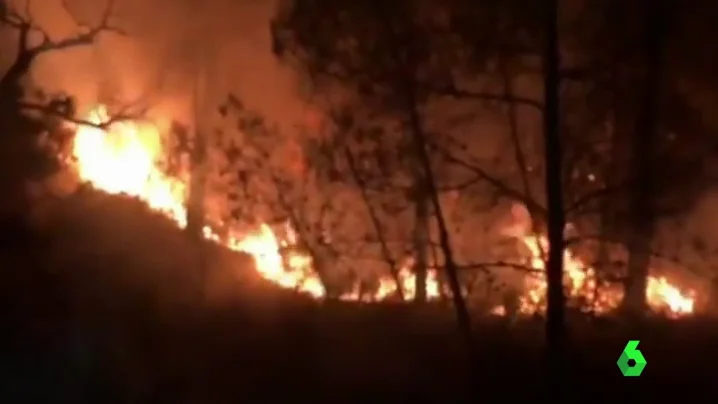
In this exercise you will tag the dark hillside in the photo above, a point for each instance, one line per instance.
(114, 314)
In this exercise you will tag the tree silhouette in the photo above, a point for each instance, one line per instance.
(380, 52)
(625, 118)
(625, 68)
(32, 122)
(555, 327)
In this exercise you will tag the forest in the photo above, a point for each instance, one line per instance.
(441, 196)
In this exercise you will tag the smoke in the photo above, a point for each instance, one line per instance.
(157, 63)
(157, 60)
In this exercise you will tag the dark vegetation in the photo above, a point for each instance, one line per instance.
(102, 299)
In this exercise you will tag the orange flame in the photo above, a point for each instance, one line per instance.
(125, 159)
(581, 282)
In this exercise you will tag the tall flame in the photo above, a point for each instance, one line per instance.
(124, 159)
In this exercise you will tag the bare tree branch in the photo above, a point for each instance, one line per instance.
(460, 186)
(27, 53)
(486, 266)
(652, 253)
(452, 91)
(393, 267)
(125, 114)
(598, 194)
(495, 182)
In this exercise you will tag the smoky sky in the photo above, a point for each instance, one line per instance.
(157, 60)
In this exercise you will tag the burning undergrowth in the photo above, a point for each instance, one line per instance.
(127, 159)
(112, 262)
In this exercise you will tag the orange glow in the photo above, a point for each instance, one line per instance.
(580, 282)
(126, 158)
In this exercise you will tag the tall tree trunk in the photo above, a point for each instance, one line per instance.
(421, 240)
(195, 198)
(198, 169)
(202, 97)
(376, 224)
(198, 152)
(555, 327)
(643, 152)
(406, 76)
(419, 141)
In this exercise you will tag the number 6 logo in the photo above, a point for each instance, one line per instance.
(631, 353)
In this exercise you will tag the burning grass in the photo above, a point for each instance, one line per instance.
(132, 312)
(119, 241)
(126, 159)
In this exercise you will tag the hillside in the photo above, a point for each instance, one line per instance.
(108, 307)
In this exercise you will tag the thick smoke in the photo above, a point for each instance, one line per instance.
(157, 60)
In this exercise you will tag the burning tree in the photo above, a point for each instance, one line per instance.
(303, 185)
(433, 85)
(379, 55)
(434, 55)
(653, 129)
(592, 174)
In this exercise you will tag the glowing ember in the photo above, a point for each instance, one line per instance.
(126, 159)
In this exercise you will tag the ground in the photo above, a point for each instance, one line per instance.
(94, 321)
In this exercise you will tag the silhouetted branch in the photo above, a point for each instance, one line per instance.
(125, 114)
(460, 186)
(495, 182)
(453, 91)
(26, 52)
(650, 252)
(594, 195)
(485, 266)
(393, 268)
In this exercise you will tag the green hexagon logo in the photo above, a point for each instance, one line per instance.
(630, 352)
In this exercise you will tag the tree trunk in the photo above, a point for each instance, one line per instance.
(421, 241)
(642, 204)
(712, 308)
(554, 193)
(196, 211)
(203, 86)
(419, 142)
(195, 197)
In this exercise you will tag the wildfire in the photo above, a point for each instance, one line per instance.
(125, 161)
(582, 284)
(125, 158)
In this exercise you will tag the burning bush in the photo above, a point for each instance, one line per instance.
(102, 161)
